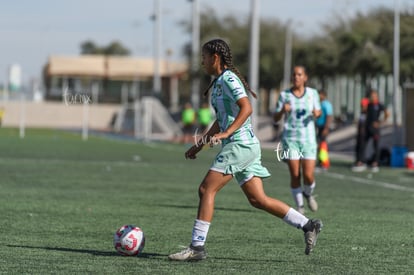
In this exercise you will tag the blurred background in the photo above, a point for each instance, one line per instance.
(129, 67)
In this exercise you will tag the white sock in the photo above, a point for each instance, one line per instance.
(308, 189)
(297, 196)
(200, 231)
(295, 218)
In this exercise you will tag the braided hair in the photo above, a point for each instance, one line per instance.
(220, 47)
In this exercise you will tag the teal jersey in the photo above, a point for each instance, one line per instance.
(299, 124)
(227, 90)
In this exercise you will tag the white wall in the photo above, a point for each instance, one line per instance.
(57, 114)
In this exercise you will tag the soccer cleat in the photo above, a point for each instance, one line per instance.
(313, 205)
(359, 168)
(319, 170)
(191, 253)
(375, 169)
(301, 210)
(312, 229)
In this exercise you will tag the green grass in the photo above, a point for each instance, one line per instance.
(61, 200)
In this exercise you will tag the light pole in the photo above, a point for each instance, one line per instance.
(254, 57)
(288, 55)
(157, 47)
(396, 69)
(195, 46)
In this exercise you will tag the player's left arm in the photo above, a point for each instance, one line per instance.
(245, 111)
(316, 105)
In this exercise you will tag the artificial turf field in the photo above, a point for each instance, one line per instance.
(61, 200)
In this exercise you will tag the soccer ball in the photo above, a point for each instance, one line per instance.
(129, 240)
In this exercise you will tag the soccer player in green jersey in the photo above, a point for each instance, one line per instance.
(299, 105)
(240, 155)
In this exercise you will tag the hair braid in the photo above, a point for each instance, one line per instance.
(221, 48)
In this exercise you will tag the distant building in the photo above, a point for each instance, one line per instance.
(111, 79)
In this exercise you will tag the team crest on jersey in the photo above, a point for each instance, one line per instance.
(219, 90)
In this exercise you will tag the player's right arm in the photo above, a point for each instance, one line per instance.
(282, 107)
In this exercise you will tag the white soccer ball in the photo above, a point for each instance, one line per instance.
(129, 240)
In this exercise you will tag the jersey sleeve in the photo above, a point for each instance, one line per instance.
(279, 103)
(235, 87)
(316, 101)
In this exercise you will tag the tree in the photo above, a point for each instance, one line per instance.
(235, 31)
(319, 55)
(272, 47)
(114, 48)
(362, 45)
(365, 43)
(406, 45)
(89, 47)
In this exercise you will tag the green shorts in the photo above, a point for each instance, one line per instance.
(295, 150)
(240, 160)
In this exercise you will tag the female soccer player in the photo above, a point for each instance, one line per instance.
(300, 104)
(239, 156)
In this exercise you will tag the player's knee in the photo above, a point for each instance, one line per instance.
(295, 176)
(256, 203)
(308, 177)
(295, 181)
(202, 190)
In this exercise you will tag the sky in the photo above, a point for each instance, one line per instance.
(31, 31)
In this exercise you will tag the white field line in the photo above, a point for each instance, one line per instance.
(65, 161)
(369, 182)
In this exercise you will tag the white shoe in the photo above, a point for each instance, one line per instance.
(319, 170)
(191, 253)
(375, 169)
(359, 168)
(313, 205)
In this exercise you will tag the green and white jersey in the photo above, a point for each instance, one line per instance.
(299, 124)
(227, 90)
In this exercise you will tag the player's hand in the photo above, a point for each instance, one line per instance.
(216, 139)
(192, 152)
(316, 113)
(286, 107)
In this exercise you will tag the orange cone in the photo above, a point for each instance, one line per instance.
(324, 155)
